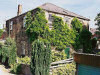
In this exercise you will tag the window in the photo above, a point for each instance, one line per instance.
(50, 18)
(23, 47)
(24, 21)
(50, 26)
(67, 19)
(11, 25)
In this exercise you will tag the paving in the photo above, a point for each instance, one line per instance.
(4, 71)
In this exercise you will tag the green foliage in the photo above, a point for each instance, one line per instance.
(40, 59)
(97, 19)
(68, 69)
(36, 24)
(1, 32)
(57, 56)
(98, 53)
(76, 25)
(37, 27)
(94, 43)
(17, 66)
(77, 44)
(8, 50)
(12, 50)
(26, 60)
(85, 40)
(16, 69)
(83, 37)
(61, 35)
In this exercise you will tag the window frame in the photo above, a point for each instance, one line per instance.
(11, 25)
(24, 22)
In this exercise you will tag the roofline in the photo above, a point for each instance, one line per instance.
(69, 15)
(48, 11)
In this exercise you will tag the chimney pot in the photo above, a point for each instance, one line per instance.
(19, 9)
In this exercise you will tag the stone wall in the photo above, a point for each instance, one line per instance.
(25, 69)
(18, 31)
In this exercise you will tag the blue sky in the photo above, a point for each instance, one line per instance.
(87, 8)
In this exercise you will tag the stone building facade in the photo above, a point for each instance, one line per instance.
(15, 27)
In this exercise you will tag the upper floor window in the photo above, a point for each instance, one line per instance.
(67, 19)
(23, 47)
(24, 22)
(50, 18)
(11, 25)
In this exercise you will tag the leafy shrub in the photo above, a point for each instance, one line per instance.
(26, 60)
(58, 55)
(1, 32)
(98, 53)
(8, 51)
(68, 69)
(17, 66)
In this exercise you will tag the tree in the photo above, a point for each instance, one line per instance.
(94, 43)
(85, 40)
(41, 57)
(97, 19)
(77, 27)
(9, 51)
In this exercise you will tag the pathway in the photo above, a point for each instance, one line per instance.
(4, 71)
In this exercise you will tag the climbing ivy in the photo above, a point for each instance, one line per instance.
(36, 27)
(76, 25)
(62, 36)
(77, 28)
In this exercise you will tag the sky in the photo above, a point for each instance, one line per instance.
(86, 8)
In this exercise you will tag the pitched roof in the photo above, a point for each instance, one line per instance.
(53, 8)
(56, 9)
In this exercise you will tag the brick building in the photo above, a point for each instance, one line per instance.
(15, 27)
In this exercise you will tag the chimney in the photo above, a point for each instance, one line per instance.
(19, 10)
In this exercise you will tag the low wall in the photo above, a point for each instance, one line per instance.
(25, 69)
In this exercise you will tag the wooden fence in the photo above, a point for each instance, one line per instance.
(87, 59)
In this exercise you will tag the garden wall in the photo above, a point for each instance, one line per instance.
(25, 69)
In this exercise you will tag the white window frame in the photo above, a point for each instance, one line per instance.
(67, 19)
(50, 18)
(11, 25)
(23, 47)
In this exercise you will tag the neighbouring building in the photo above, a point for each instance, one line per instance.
(87, 64)
(15, 27)
(95, 36)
